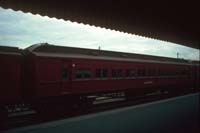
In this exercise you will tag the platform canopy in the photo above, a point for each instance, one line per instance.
(168, 21)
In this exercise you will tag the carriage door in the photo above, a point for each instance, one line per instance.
(65, 77)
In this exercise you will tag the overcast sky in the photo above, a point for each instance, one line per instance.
(24, 29)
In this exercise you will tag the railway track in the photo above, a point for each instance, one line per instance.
(33, 117)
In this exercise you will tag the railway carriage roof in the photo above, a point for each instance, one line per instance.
(10, 50)
(53, 50)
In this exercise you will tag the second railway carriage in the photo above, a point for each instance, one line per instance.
(64, 73)
(10, 77)
(10, 74)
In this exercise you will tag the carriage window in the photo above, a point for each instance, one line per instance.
(83, 74)
(130, 73)
(141, 72)
(64, 73)
(98, 73)
(105, 73)
(127, 73)
(87, 74)
(184, 72)
(170, 72)
(151, 72)
(117, 73)
(79, 74)
(101, 73)
(114, 73)
(162, 72)
(159, 72)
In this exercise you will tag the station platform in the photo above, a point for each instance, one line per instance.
(174, 115)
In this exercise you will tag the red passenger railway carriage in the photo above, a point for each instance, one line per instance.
(58, 71)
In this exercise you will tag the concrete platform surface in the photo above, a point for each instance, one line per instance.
(174, 115)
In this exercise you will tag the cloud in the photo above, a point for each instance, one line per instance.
(24, 29)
